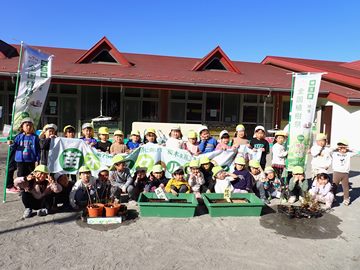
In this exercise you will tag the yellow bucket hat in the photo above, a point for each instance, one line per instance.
(83, 169)
(216, 170)
(298, 170)
(150, 130)
(192, 134)
(42, 169)
(321, 136)
(194, 163)
(240, 161)
(254, 163)
(157, 168)
(104, 130)
(240, 128)
(204, 160)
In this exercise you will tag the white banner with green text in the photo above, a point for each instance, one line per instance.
(303, 107)
(33, 87)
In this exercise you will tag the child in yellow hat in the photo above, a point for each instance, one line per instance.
(321, 155)
(38, 188)
(192, 144)
(118, 146)
(135, 140)
(195, 178)
(178, 183)
(103, 144)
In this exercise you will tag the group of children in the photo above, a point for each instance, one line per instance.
(43, 191)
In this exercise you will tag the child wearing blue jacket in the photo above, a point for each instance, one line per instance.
(27, 148)
(207, 143)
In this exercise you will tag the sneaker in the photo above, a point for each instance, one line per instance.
(27, 213)
(42, 212)
(13, 190)
(292, 199)
(346, 202)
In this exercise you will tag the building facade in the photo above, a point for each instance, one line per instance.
(213, 90)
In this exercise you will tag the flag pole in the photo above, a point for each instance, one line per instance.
(290, 109)
(12, 121)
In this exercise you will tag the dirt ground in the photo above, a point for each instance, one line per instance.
(272, 241)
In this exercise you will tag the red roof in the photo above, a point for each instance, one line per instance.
(177, 72)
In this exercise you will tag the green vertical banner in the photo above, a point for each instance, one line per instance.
(304, 99)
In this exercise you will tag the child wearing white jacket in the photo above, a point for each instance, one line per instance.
(321, 190)
(321, 155)
(341, 167)
(279, 153)
(196, 178)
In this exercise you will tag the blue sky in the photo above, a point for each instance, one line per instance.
(246, 30)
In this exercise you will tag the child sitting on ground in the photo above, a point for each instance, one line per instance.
(103, 145)
(175, 138)
(140, 180)
(258, 143)
(83, 191)
(121, 180)
(88, 135)
(259, 179)
(195, 177)
(341, 167)
(223, 180)
(156, 179)
(321, 190)
(134, 141)
(69, 131)
(48, 132)
(272, 184)
(321, 155)
(178, 183)
(224, 141)
(38, 188)
(118, 146)
(63, 196)
(103, 185)
(279, 153)
(298, 185)
(206, 168)
(192, 145)
(207, 143)
(243, 180)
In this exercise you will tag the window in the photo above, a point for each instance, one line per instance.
(104, 56)
(150, 111)
(67, 89)
(186, 107)
(90, 102)
(215, 64)
(213, 107)
(231, 108)
(132, 92)
(177, 112)
(285, 110)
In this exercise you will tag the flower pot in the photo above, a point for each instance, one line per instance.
(95, 210)
(111, 209)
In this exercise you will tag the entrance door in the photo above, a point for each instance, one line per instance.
(326, 116)
(131, 114)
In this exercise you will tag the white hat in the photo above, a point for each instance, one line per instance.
(86, 125)
(48, 126)
(203, 128)
(223, 132)
(259, 128)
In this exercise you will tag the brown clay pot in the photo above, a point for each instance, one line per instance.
(111, 209)
(95, 210)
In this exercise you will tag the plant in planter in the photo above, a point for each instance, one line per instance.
(94, 209)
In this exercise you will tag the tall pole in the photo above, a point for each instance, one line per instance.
(12, 121)
(288, 140)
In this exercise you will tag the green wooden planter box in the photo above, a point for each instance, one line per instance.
(224, 209)
(167, 209)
